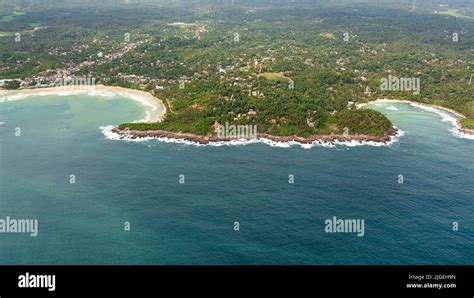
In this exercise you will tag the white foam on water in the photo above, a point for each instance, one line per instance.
(101, 93)
(445, 117)
(18, 96)
(109, 134)
(21, 95)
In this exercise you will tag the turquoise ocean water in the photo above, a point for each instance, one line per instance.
(193, 223)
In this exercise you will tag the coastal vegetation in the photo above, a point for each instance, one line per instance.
(468, 123)
(213, 62)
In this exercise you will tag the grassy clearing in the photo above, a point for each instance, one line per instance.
(273, 76)
(455, 13)
(34, 26)
(2, 34)
(12, 16)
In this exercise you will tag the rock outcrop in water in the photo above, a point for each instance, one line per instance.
(135, 134)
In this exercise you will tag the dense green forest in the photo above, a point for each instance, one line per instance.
(291, 68)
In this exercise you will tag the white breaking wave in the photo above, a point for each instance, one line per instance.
(13, 97)
(392, 108)
(20, 96)
(109, 134)
(445, 117)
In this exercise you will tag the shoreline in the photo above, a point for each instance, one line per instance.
(389, 136)
(156, 110)
(154, 107)
(458, 127)
(467, 131)
(361, 105)
(385, 139)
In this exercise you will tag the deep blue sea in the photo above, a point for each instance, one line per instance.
(193, 222)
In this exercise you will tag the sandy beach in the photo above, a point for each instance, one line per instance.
(154, 107)
(459, 129)
(361, 105)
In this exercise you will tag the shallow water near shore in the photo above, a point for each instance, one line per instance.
(193, 223)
